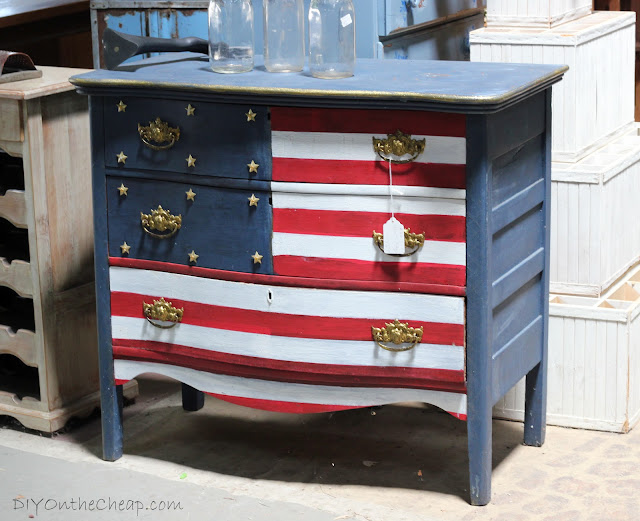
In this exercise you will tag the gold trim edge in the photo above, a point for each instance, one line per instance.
(371, 94)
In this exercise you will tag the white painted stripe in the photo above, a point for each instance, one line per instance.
(308, 350)
(375, 190)
(363, 248)
(292, 392)
(290, 300)
(369, 203)
(359, 147)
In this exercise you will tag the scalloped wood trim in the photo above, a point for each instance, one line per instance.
(17, 276)
(13, 208)
(20, 344)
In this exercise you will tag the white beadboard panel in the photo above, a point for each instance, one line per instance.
(600, 52)
(594, 361)
(535, 13)
(595, 218)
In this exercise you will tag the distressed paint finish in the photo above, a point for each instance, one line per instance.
(301, 343)
(238, 142)
(219, 225)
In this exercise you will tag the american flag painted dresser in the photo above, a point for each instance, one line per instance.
(240, 248)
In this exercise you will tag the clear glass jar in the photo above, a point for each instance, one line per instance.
(283, 35)
(231, 35)
(332, 38)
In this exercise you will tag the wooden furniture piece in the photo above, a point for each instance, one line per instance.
(238, 220)
(48, 344)
(52, 32)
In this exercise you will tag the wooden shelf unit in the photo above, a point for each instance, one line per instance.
(48, 344)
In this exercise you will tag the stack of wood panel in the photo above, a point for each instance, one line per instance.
(596, 174)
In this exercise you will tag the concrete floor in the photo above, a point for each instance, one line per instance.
(229, 463)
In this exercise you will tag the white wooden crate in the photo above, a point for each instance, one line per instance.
(595, 218)
(535, 13)
(595, 100)
(594, 361)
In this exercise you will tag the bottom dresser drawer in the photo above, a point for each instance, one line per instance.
(288, 334)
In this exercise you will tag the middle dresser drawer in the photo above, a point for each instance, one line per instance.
(189, 224)
(211, 139)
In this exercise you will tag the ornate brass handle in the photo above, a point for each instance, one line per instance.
(414, 241)
(398, 145)
(162, 310)
(398, 333)
(159, 132)
(162, 221)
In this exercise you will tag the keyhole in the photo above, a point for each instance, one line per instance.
(270, 296)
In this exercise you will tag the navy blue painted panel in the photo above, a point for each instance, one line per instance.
(517, 241)
(219, 225)
(112, 435)
(517, 277)
(516, 312)
(478, 320)
(517, 358)
(516, 125)
(517, 169)
(473, 86)
(535, 402)
(222, 147)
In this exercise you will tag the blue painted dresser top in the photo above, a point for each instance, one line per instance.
(472, 87)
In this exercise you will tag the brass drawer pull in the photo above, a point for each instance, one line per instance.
(398, 145)
(162, 310)
(159, 132)
(398, 333)
(413, 241)
(160, 220)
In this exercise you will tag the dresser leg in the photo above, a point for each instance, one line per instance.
(535, 407)
(111, 403)
(479, 441)
(192, 399)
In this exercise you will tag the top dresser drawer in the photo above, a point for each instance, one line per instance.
(200, 138)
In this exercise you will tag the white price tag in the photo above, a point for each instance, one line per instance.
(346, 20)
(393, 233)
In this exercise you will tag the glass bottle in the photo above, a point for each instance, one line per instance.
(283, 35)
(231, 35)
(332, 38)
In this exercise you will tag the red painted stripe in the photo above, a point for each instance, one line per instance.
(354, 375)
(332, 171)
(298, 281)
(261, 373)
(279, 406)
(450, 228)
(366, 121)
(280, 324)
(441, 274)
(120, 382)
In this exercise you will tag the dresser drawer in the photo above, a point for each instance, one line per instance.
(187, 137)
(331, 235)
(170, 222)
(290, 333)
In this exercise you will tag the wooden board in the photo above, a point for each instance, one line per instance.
(535, 13)
(583, 118)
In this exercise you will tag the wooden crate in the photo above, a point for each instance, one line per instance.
(594, 361)
(48, 339)
(594, 205)
(535, 13)
(600, 52)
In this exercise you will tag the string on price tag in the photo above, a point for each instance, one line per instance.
(393, 230)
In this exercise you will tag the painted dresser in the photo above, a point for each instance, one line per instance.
(239, 244)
